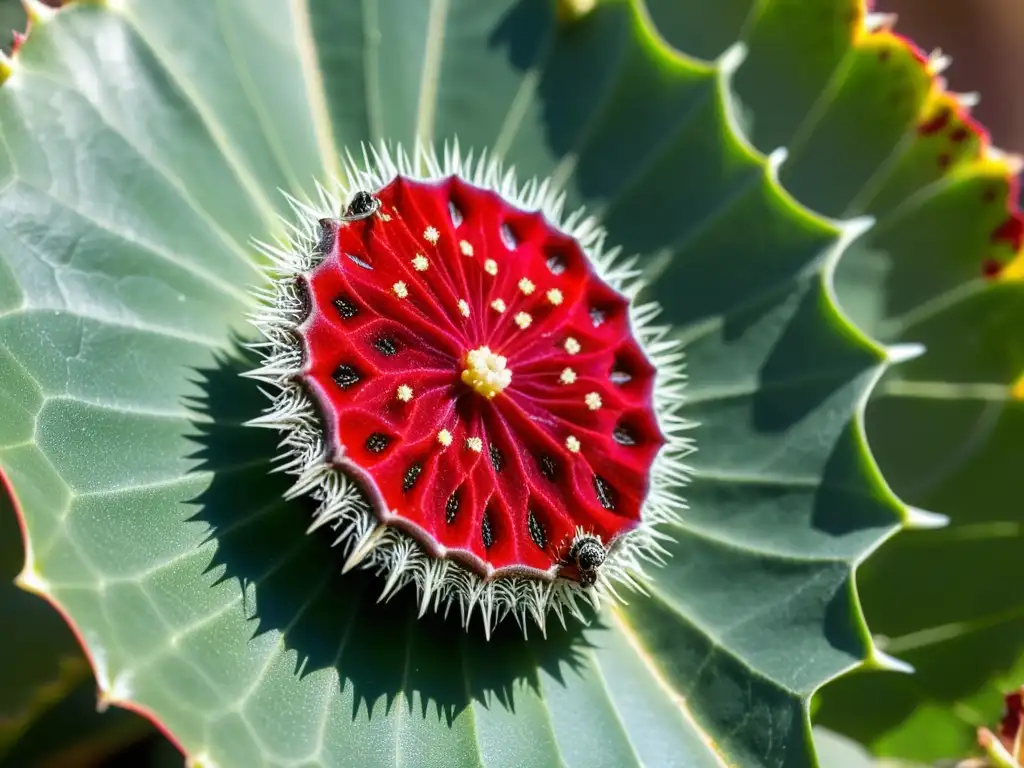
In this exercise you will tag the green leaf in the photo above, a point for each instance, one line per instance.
(870, 130)
(144, 143)
(48, 698)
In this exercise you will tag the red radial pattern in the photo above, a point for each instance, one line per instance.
(566, 439)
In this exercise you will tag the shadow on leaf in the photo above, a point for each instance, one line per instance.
(335, 620)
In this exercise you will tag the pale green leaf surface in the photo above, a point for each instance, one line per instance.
(134, 183)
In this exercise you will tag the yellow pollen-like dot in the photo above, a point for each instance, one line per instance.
(444, 437)
(420, 263)
(526, 286)
(572, 346)
(498, 305)
(384, 217)
(555, 296)
(568, 376)
(572, 444)
(475, 444)
(523, 320)
(401, 289)
(466, 248)
(593, 400)
(464, 307)
(486, 372)
(404, 393)
(491, 267)
(431, 235)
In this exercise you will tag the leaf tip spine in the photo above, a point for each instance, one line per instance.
(571, 11)
(919, 519)
(883, 661)
(32, 581)
(902, 353)
(732, 58)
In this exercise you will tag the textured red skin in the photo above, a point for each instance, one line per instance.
(533, 416)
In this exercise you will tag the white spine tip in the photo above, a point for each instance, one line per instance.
(876, 22)
(363, 548)
(30, 581)
(881, 660)
(855, 228)
(938, 62)
(923, 520)
(778, 156)
(732, 58)
(902, 353)
(968, 100)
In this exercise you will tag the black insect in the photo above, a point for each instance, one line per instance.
(587, 552)
(362, 205)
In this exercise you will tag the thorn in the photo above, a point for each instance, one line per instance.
(902, 353)
(363, 548)
(938, 62)
(968, 100)
(880, 22)
(883, 661)
(732, 58)
(389, 585)
(778, 156)
(923, 520)
(428, 588)
(30, 581)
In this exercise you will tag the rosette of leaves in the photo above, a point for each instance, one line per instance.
(146, 145)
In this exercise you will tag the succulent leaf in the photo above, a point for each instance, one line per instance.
(152, 516)
(47, 700)
(881, 134)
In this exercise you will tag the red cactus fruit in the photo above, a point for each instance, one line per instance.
(466, 389)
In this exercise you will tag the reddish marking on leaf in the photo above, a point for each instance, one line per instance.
(959, 134)
(523, 460)
(18, 38)
(944, 110)
(991, 268)
(936, 123)
(1013, 715)
(1011, 231)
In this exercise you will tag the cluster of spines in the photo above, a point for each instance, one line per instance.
(343, 507)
